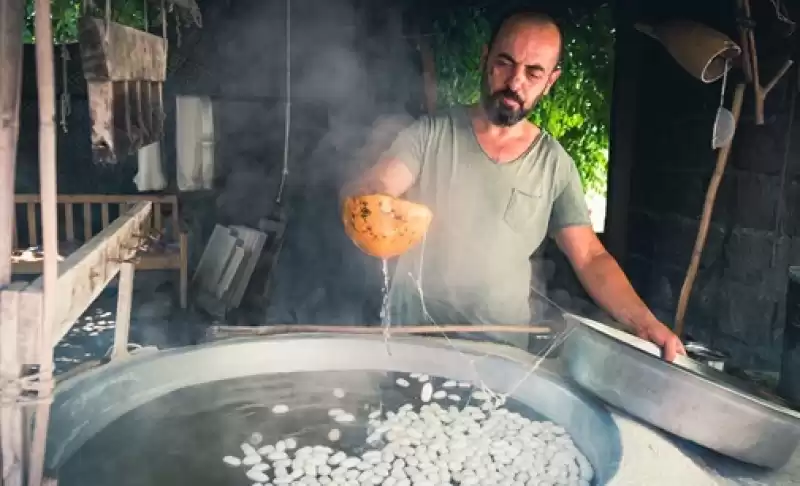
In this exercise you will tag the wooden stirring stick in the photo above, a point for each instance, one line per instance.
(241, 331)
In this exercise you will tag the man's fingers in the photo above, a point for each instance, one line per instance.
(671, 348)
(681, 349)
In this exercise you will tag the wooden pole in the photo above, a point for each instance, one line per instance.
(124, 303)
(705, 221)
(750, 64)
(45, 81)
(12, 17)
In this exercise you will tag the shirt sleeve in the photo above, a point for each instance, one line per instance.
(409, 146)
(569, 207)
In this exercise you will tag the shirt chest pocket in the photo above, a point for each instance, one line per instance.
(527, 215)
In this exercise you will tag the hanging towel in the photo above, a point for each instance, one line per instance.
(150, 176)
(194, 143)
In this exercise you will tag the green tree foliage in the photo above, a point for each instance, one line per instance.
(577, 111)
(65, 15)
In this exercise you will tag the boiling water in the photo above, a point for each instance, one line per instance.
(182, 437)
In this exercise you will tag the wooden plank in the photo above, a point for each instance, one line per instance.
(115, 52)
(124, 303)
(99, 198)
(176, 222)
(87, 221)
(146, 261)
(104, 215)
(253, 242)
(85, 273)
(231, 269)
(69, 220)
(33, 237)
(216, 253)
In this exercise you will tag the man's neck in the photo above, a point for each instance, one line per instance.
(483, 126)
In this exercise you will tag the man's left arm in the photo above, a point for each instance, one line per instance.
(605, 281)
(597, 270)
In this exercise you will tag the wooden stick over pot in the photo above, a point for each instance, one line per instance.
(705, 220)
(240, 331)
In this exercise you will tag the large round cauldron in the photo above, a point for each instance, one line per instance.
(168, 417)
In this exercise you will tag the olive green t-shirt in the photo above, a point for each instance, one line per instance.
(488, 219)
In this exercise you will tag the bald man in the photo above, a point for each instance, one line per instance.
(498, 185)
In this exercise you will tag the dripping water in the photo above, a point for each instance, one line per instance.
(386, 317)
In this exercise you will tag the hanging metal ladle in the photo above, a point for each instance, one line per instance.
(724, 123)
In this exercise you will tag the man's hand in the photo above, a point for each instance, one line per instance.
(661, 335)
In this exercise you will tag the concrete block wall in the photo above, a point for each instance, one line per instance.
(737, 304)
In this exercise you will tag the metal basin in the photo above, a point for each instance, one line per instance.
(88, 403)
(687, 398)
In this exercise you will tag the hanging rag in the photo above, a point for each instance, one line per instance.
(150, 176)
(194, 143)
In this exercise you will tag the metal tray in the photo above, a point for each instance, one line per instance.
(686, 398)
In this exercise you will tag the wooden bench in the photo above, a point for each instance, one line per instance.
(161, 255)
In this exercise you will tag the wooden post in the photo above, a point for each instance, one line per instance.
(11, 428)
(12, 15)
(705, 220)
(45, 81)
(124, 302)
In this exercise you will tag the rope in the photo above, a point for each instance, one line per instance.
(15, 390)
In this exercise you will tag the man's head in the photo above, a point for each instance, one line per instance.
(520, 64)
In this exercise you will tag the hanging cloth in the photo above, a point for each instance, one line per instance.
(194, 143)
(150, 176)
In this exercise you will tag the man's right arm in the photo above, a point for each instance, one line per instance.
(398, 168)
(390, 176)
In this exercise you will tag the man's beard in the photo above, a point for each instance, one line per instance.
(498, 112)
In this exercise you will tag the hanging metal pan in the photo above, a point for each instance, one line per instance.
(686, 398)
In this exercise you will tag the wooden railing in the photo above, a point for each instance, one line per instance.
(111, 207)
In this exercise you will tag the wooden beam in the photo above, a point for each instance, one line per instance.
(115, 52)
(124, 302)
(83, 275)
(46, 96)
(11, 435)
(12, 15)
